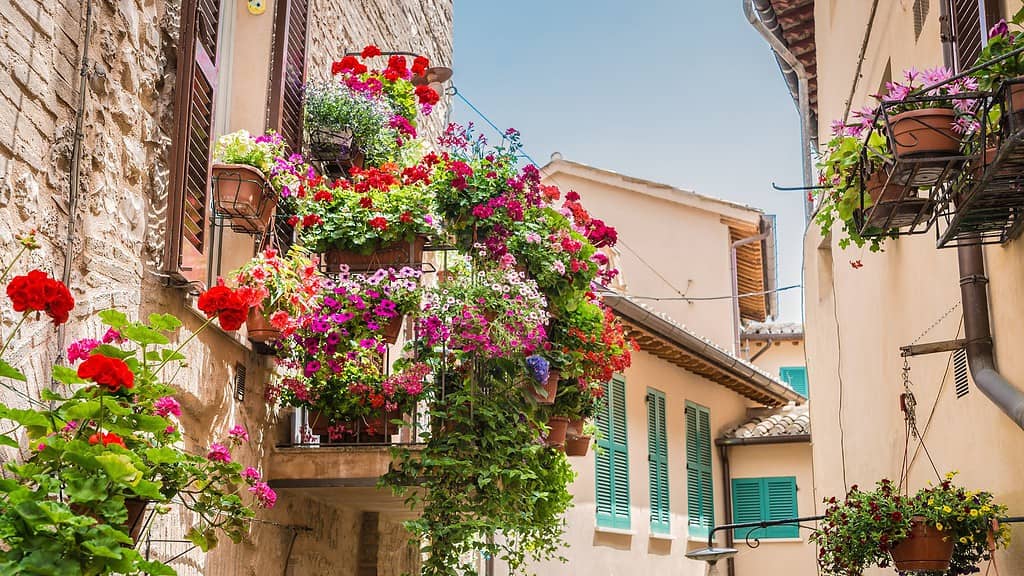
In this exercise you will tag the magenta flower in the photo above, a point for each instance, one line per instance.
(265, 495)
(219, 453)
(170, 430)
(81, 349)
(251, 474)
(166, 406)
(112, 336)
(239, 433)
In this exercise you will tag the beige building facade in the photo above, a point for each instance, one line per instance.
(161, 77)
(862, 307)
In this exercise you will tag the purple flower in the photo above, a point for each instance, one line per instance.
(1000, 29)
(167, 405)
(238, 432)
(367, 343)
(312, 367)
(219, 453)
(539, 367)
(251, 474)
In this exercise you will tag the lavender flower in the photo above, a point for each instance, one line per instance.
(539, 368)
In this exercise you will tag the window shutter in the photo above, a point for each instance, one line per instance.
(796, 377)
(700, 503)
(288, 70)
(657, 462)
(780, 504)
(612, 461)
(764, 500)
(970, 21)
(188, 217)
(746, 503)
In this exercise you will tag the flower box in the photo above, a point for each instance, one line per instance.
(337, 150)
(243, 194)
(390, 255)
(577, 445)
(259, 328)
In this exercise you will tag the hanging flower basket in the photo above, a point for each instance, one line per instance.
(393, 254)
(575, 427)
(557, 426)
(926, 549)
(335, 149)
(882, 191)
(393, 329)
(928, 131)
(259, 328)
(242, 194)
(545, 395)
(577, 445)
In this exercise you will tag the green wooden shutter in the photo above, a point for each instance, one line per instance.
(700, 503)
(763, 500)
(796, 377)
(612, 460)
(657, 462)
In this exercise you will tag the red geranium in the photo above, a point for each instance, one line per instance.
(399, 65)
(107, 439)
(427, 95)
(380, 223)
(420, 65)
(106, 371)
(226, 304)
(38, 292)
(370, 51)
(348, 64)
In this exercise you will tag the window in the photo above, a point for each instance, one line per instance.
(700, 500)
(763, 500)
(612, 459)
(188, 213)
(657, 462)
(796, 377)
(970, 21)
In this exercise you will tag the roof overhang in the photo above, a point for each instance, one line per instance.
(790, 439)
(668, 341)
(795, 20)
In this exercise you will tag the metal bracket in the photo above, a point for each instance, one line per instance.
(933, 347)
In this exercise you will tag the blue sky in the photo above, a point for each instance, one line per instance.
(683, 92)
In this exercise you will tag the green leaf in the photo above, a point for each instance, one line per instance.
(8, 371)
(168, 355)
(66, 375)
(156, 569)
(198, 537)
(83, 411)
(165, 322)
(147, 423)
(113, 318)
(161, 455)
(51, 396)
(113, 351)
(87, 489)
(119, 467)
(149, 490)
(8, 441)
(143, 335)
(27, 418)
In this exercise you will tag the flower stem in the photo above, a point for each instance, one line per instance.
(183, 344)
(13, 333)
(13, 262)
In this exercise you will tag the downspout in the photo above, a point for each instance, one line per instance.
(767, 344)
(723, 455)
(759, 19)
(736, 328)
(974, 298)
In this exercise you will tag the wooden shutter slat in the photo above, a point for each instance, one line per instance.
(657, 462)
(700, 493)
(288, 70)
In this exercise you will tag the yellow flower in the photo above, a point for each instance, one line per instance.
(947, 509)
(951, 475)
(974, 513)
(938, 526)
(931, 501)
(963, 540)
(985, 509)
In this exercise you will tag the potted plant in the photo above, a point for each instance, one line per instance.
(931, 123)
(285, 287)
(242, 173)
(579, 444)
(379, 218)
(943, 528)
(1009, 70)
(589, 343)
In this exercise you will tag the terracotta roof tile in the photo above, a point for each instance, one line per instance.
(790, 420)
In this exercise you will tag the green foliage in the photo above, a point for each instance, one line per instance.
(243, 148)
(331, 108)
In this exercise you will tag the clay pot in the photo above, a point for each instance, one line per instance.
(136, 515)
(393, 329)
(577, 445)
(575, 427)
(1016, 96)
(259, 327)
(397, 254)
(924, 132)
(550, 388)
(557, 426)
(925, 549)
(880, 192)
(243, 194)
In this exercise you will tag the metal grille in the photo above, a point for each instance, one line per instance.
(240, 373)
(920, 16)
(967, 32)
(960, 373)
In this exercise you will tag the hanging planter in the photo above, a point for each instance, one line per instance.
(557, 426)
(881, 189)
(545, 394)
(925, 132)
(575, 427)
(259, 328)
(398, 253)
(577, 445)
(243, 194)
(925, 549)
(393, 329)
(338, 150)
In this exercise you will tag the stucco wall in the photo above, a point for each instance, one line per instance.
(793, 557)
(779, 354)
(856, 319)
(118, 236)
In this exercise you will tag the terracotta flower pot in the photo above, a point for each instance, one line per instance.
(336, 149)
(243, 194)
(392, 329)
(928, 131)
(924, 549)
(880, 192)
(575, 427)
(259, 327)
(557, 426)
(577, 445)
(1016, 96)
(550, 388)
(397, 254)
(136, 516)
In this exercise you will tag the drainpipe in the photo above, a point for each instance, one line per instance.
(974, 298)
(723, 455)
(767, 344)
(761, 16)
(736, 286)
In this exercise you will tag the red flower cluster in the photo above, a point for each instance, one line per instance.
(348, 64)
(427, 95)
(38, 292)
(106, 371)
(370, 51)
(420, 65)
(107, 439)
(229, 306)
(379, 222)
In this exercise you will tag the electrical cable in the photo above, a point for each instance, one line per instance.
(839, 373)
(709, 298)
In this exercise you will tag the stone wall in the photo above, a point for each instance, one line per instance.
(119, 222)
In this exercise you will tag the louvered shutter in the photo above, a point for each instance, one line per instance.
(188, 216)
(657, 462)
(796, 377)
(612, 461)
(780, 504)
(700, 502)
(746, 503)
(288, 70)
(970, 21)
